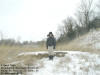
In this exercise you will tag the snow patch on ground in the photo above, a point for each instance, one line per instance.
(73, 63)
(40, 52)
(32, 53)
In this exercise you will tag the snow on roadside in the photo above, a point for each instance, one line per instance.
(32, 53)
(37, 53)
(73, 63)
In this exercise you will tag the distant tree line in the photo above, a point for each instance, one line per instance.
(12, 42)
(86, 19)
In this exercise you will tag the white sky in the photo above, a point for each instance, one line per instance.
(33, 19)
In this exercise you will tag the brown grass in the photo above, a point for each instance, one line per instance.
(74, 46)
(8, 53)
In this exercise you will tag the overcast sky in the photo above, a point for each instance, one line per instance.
(33, 19)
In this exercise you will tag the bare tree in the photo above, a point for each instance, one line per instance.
(67, 30)
(60, 32)
(98, 6)
(84, 12)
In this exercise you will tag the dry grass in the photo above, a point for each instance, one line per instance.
(8, 53)
(74, 46)
(98, 29)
